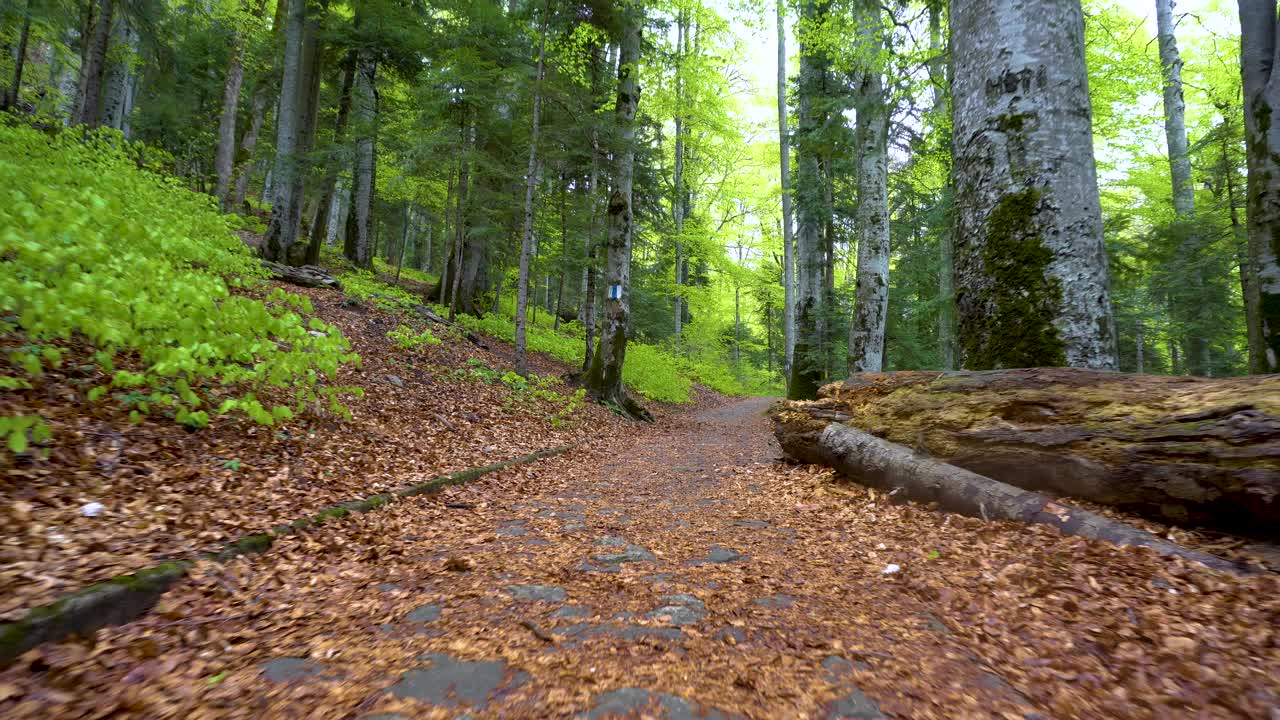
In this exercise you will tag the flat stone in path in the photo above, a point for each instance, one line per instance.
(776, 601)
(755, 524)
(288, 669)
(539, 593)
(424, 614)
(679, 610)
(449, 682)
(611, 541)
(632, 553)
(512, 529)
(621, 703)
(572, 611)
(719, 554)
(854, 706)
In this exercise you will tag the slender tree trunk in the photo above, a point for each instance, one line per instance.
(1140, 341)
(677, 203)
(1030, 261)
(10, 98)
(286, 209)
(1248, 274)
(808, 362)
(248, 144)
(1258, 49)
(946, 254)
(460, 222)
(604, 377)
(365, 105)
(94, 68)
(404, 242)
(784, 174)
(871, 294)
(225, 153)
(320, 229)
(526, 238)
(1184, 196)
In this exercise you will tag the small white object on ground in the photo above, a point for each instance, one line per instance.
(890, 569)
(93, 509)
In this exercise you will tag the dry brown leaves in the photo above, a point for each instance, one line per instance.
(981, 620)
(169, 493)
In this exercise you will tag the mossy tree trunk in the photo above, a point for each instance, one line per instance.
(365, 105)
(808, 360)
(1031, 269)
(1258, 47)
(604, 376)
(286, 200)
(784, 173)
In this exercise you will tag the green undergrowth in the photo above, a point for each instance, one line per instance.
(101, 256)
(652, 371)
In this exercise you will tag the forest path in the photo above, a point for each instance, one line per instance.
(669, 575)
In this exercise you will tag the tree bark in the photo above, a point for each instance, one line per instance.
(1184, 194)
(946, 252)
(808, 362)
(248, 144)
(89, 92)
(321, 228)
(678, 199)
(10, 98)
(526, 237)
(906, 475)
(871, 294)
(1030, 262)
(225, 152)
(282, 230)
(784, 174)
(1261, 82)
(365, 106)
(604, 377)
(1184, 450)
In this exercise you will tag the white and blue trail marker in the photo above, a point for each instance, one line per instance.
(615, 292)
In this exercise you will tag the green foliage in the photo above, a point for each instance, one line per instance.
(95, 250)
(365, 285)
(404, 338)
(525, 391)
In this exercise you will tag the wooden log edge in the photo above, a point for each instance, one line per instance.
(887, 466)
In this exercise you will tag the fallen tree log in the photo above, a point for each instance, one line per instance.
(907, 475)
(1188, 451)
(305, 275)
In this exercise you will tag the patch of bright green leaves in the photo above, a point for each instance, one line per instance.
(526, 390)
(404, 338)
(95, 249)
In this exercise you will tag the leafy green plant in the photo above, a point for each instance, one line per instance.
(404, 338)
(148, 274)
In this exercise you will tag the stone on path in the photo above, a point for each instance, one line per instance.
(424, 614)
(611, 541)
(632, 553)
(680, 610)
(755, 524)
(776, 601)
(449, 682)
(622, 703)
(719, 554)
(513, 529)
(539, 593)
(571, 611)
(853, 706)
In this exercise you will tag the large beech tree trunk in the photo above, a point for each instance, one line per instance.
(286, 201)
(1031, 269)
(604, 376)
(1184, 450)
(808, 360)
(871, 294)
(1258, 45)
(88, 108)
(365, 103)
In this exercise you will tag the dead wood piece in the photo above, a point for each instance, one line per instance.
(888, 466)
(1189, 451)
(304, 276)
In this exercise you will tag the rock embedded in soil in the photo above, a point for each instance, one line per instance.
(629, 701)
(853, 706)
(538, 593)
(449, 682)
(424, 614)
